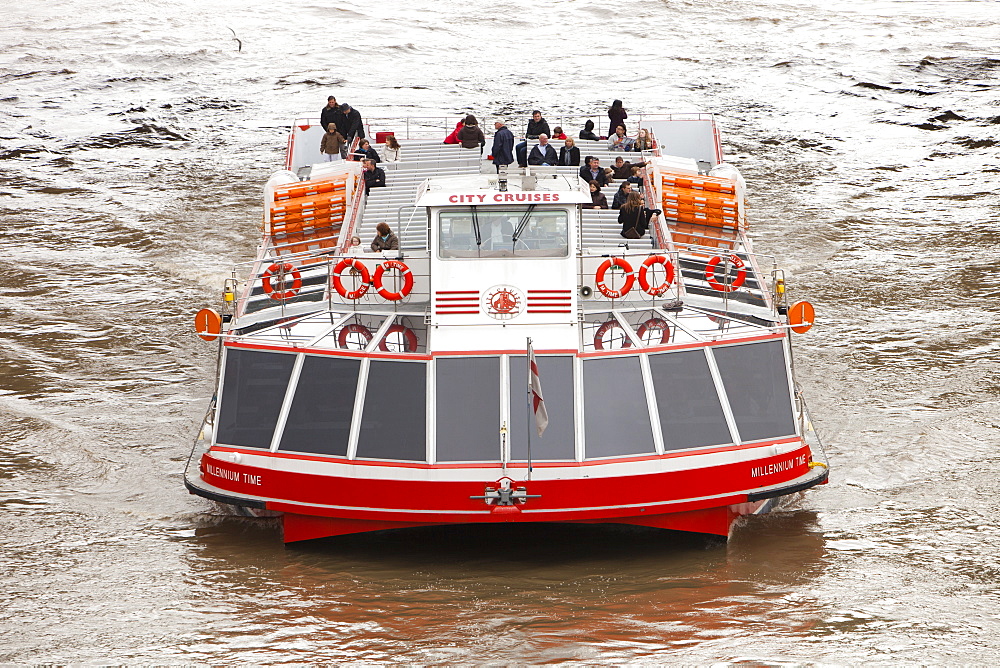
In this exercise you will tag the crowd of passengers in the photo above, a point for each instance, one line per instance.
(343, 125)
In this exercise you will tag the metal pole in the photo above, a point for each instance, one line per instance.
(527, 360)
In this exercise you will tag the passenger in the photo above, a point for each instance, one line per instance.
(543, 153)
(385, 239)
(365, 150)
(453, 137)
(352, 127)
(373, 175)
(592, 172)
(330, 114)
(623, 169)
(617, 114)
(558, 133)
(391, 149)
(636, 177)
(643, 141)
(619, 141)
(331, 143)
(599, 200)
(355, 246)
(635, 217)
(569, 154)
(536, 126)
(503, 146)
(624, 190)
(588, 132)
(471, 136)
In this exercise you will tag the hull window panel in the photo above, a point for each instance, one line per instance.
(616, 418)
(468, 409)
(557, 443)
(756, 380)
(252, 393)
(393, 422)
(319, 420)
(690, 410)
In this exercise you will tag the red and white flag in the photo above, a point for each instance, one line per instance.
(535, 388)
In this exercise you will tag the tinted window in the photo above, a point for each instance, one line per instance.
(488, 231)
(393, 424)
(319, 420)
(616, 419)
(468, 409)
(757, 386)
(690, 411)
(556, 376)
(252, 393)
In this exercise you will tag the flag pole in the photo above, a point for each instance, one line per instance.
(529, 423)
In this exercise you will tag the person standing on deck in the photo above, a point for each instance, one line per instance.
(617, 114)
(331, 143)
(352, 127)
(536, 126)
(543, 153)
(503, 146)
(330, 114)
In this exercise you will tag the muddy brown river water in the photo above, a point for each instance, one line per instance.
(134, 141)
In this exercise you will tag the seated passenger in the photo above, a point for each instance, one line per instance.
(619, 141)
(624, 190)
(355, 246)
(365, 150)
(599, 200)
(543, 153)
(636, 177)
(385, 239)
(537, 126)
(643, 141)
(374, 176)
(558, 133)
(569, 154)
(391, 149)
(592, 171)
(623, 168)
(588, 132)
(471, 135)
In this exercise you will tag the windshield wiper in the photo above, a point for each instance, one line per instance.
(475, 228)
(520, 227)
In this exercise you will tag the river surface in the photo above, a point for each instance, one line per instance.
(134, 141)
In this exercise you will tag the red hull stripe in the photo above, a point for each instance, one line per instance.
(365, 498)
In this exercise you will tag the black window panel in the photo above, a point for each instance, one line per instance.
(687, 401)
(756, 382)
(394, 422)
(556, 377)
(468, 409)
(253, 390)
(319, 420)
(616, 419)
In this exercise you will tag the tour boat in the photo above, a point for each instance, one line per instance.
(516, 359)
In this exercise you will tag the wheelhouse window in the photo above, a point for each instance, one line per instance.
(489, 231)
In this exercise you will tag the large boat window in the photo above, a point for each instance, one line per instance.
(756, 380)
(253, 390)
(616, 419)
(393, 424)
(490, 231)
(690, 410)
(319, 420)
(468, 409)
(557, 442)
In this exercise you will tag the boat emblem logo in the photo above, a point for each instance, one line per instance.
(503, 302)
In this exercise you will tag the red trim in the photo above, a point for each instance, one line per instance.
(456, 292)
(540, 311)
(455, 312)
(457, 299)
(559, 291)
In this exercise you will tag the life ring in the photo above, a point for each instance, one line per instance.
(280, 271)
(354, 328)
(629, 278)
(409, 339)
(741, 275)
(656, 290)
(338, 282)
(654, 324)
(604, 329)
(407, 280)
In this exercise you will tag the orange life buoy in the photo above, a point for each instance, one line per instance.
(407, 280)
(338, 281)
(629, 278)
(604, 329)
(280, 271)
(354, 328)
(409, 339)
(741, 275)
(656, 290)
(654, 324)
